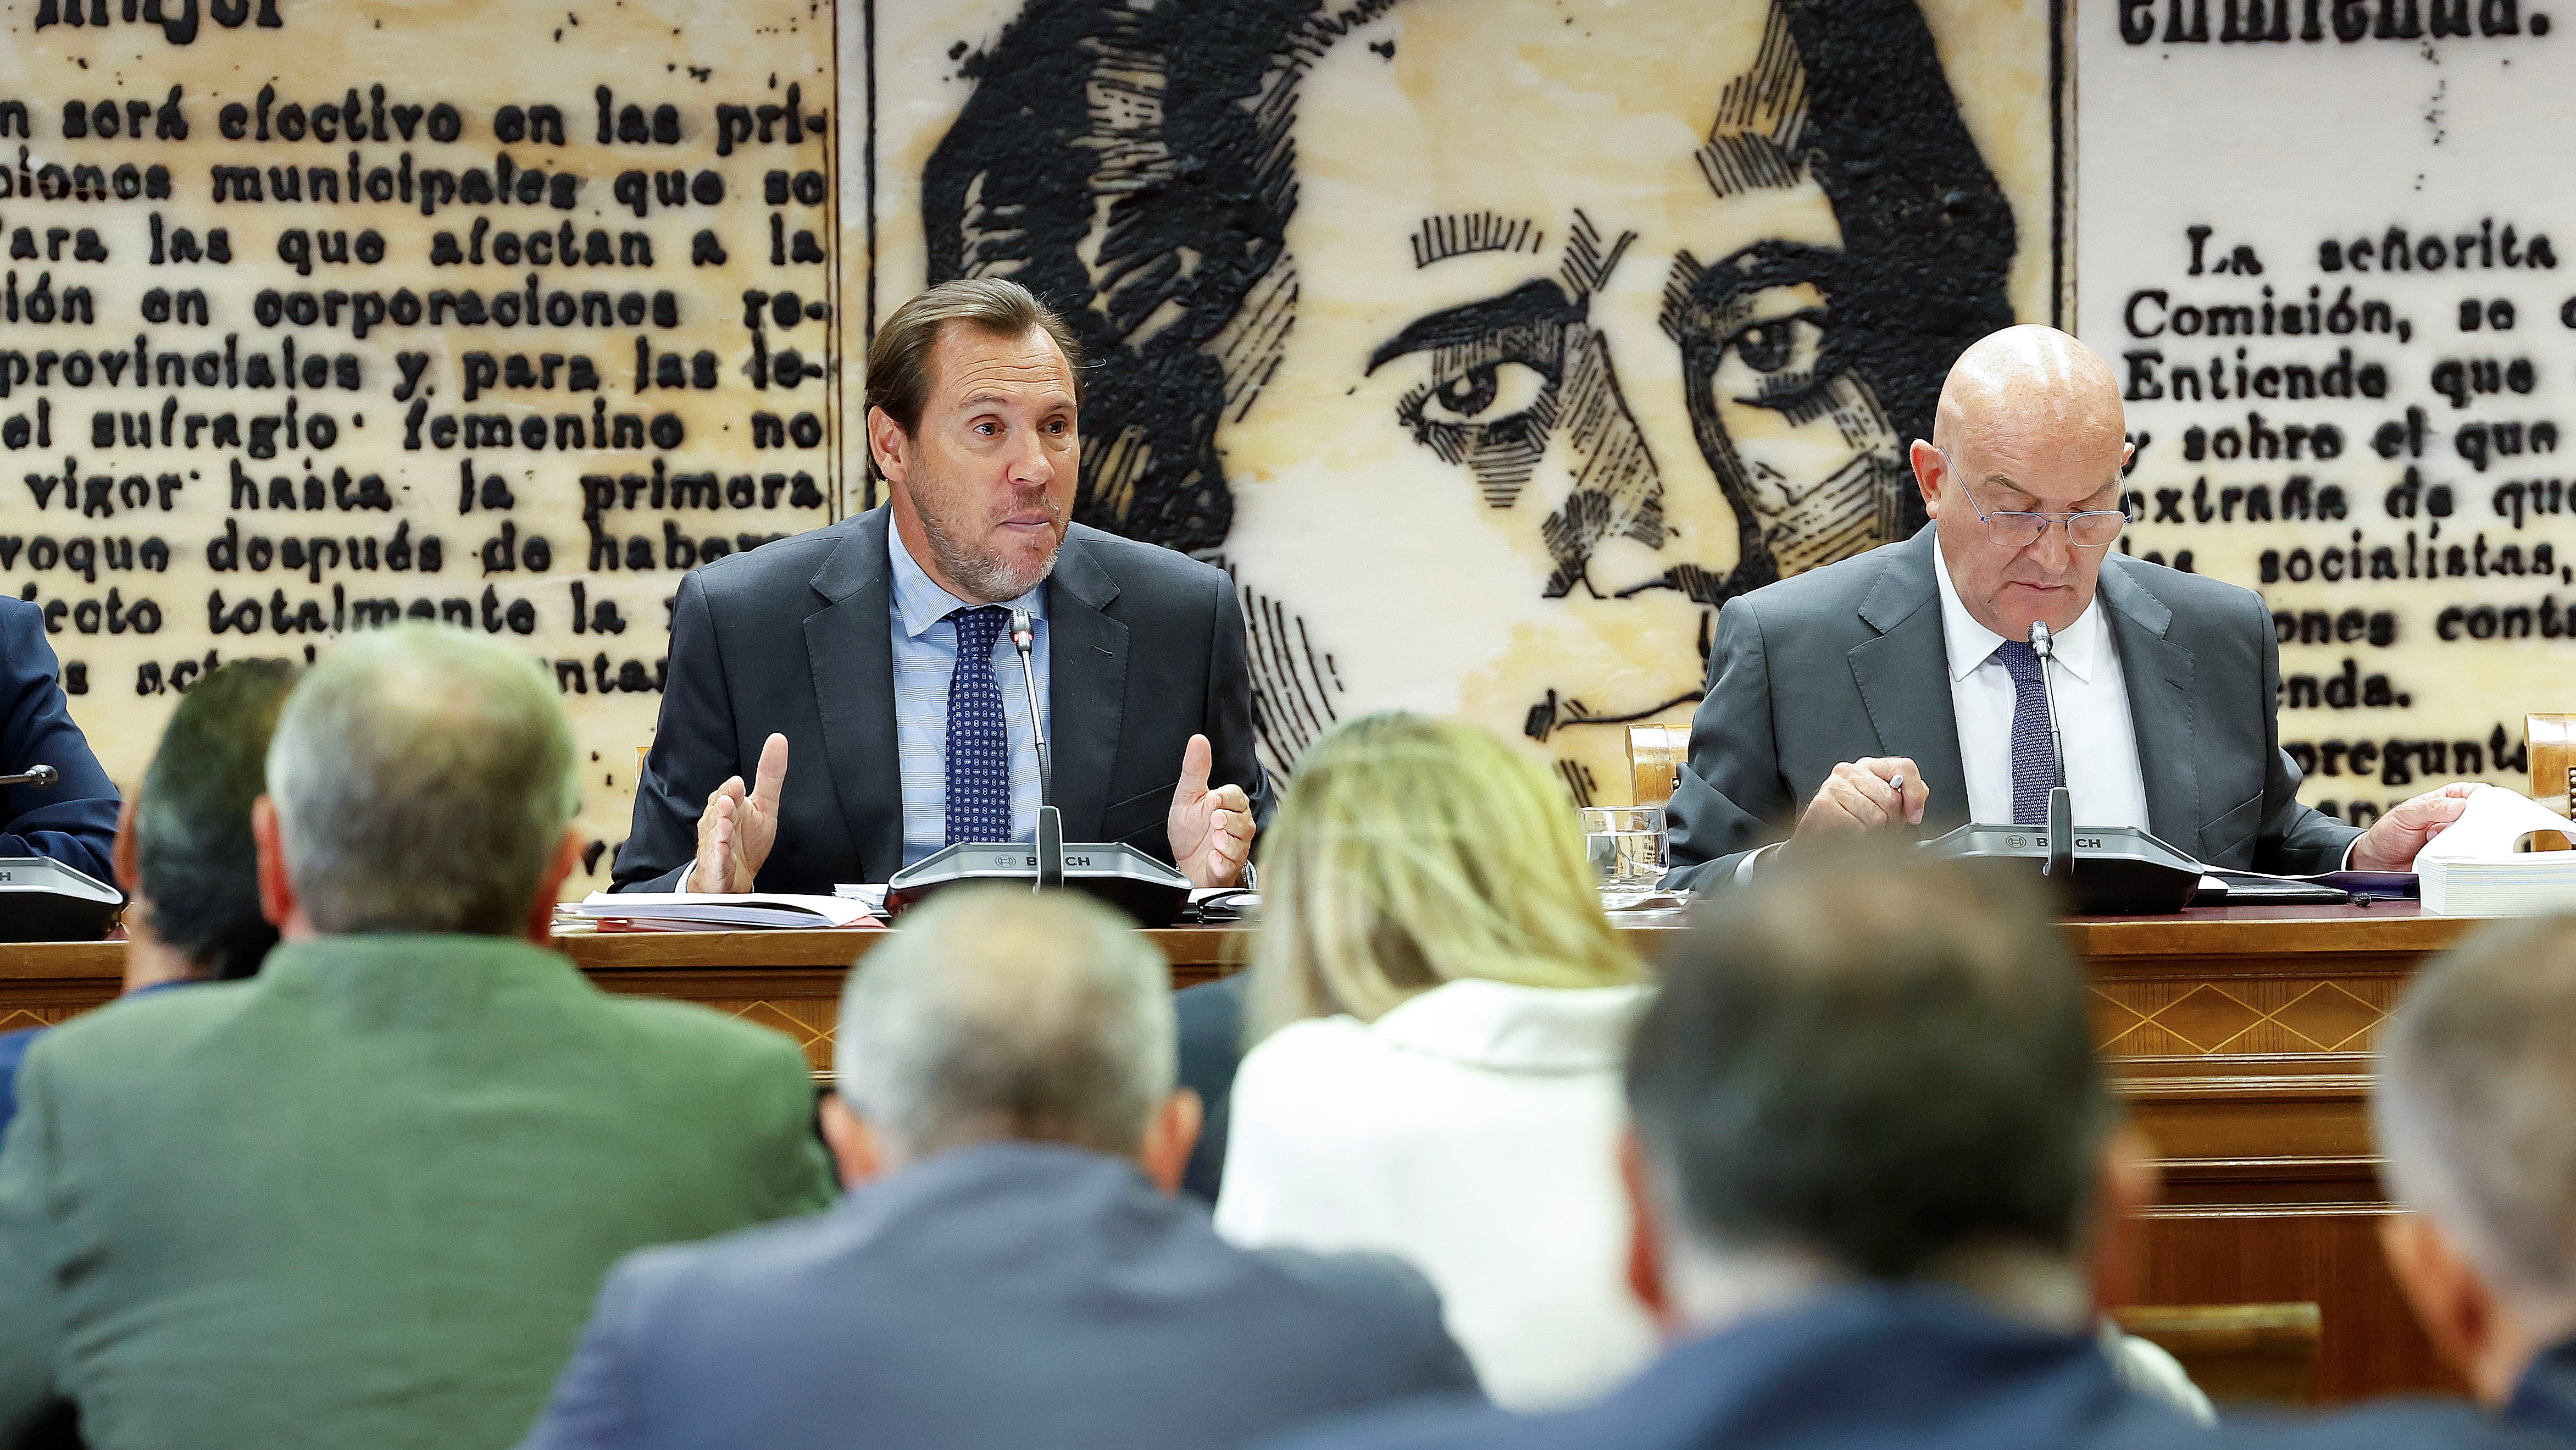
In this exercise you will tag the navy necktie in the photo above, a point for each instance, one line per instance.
(2033, 761)
(979, 760)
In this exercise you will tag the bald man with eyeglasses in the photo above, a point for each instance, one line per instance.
(1899, 689)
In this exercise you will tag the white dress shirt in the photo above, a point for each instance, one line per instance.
(1473, 1131)
(2092, 714)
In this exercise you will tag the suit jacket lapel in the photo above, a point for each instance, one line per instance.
(2163, 711)
(1086, 687)
(849, 645)
(1904, 679)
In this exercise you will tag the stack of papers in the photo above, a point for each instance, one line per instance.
(2483, 865)
(720, 911)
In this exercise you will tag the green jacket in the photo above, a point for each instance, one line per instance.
(364, 1200)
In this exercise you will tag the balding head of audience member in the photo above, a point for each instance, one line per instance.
(994, 1015)
(2029, 422)
(184, 852)
(1868, 1065)
(421, 780)
(2474, 1105)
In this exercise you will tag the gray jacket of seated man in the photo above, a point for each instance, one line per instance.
(1008, 1294)
(1849, 662)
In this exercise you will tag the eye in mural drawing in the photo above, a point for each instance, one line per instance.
(1487, 376)
(1484, 395)
(1777, 363)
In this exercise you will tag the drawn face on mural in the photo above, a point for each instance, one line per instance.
(1493, 343)
(1601, 328)
(1577, 354)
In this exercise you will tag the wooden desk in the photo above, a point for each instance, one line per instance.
(2239, 1037)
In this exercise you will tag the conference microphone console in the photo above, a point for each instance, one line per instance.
(44, 900)
(1116, 873)
(2106, 871)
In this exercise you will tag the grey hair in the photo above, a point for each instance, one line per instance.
(2474, 1106)
(999, 1014)
(423, 777)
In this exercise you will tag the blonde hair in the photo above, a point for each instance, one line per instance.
(1412, 852)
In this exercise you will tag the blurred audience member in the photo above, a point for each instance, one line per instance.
(1446, 1084)
(366, 1197)
(2475, 1107)
(1010, 1266)
(1873, 1173)
(183, 848)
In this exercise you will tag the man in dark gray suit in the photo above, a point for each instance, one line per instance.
(1900, 688)
(1011, 1266)
(883, 648)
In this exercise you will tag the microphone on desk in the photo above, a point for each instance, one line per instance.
(1024, 635)
(2061, 801)
(42, 777)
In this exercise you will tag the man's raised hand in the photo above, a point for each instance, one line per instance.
(737, 828)
(1211, 830)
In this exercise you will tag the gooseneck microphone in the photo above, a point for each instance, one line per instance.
(42, 777)
(1050, 844)
(2061, 801)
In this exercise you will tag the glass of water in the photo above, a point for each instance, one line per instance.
(1626, 844)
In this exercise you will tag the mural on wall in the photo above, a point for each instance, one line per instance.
(1493, 344)
(2318, 248)
(317, 317)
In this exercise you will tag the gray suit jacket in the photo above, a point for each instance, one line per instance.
(1146, 649)
(1849, 661)
(1013, 1294)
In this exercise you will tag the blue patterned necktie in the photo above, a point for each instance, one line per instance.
(2034, 763)
(979, 760)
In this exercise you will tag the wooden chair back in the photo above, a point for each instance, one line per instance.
(2553, 768)
(1655, 756)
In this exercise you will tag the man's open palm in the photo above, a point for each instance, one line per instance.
(738, 827)
(1211, 830)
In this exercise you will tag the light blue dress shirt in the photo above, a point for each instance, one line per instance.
(925, 657)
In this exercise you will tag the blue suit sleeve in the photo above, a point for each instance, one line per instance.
(74, 821)
(1732, 797)
(594, 1407)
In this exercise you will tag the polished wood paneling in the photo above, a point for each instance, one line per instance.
(2369, 1343)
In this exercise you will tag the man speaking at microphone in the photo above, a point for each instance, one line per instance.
(845, 702)
(1900, 688)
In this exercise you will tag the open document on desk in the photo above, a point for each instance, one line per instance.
(719, 911)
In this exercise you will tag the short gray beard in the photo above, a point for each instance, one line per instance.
(985, 581)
